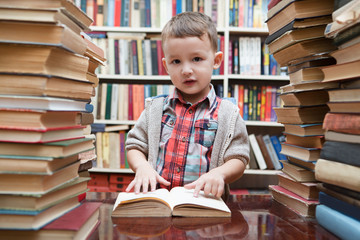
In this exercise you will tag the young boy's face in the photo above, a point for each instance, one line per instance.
(190, 62)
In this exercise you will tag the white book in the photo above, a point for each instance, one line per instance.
(114, 101)
(41, 103)
(257, 56)
(147, 58)
(256, 149)
(135, 13)
(111, 55)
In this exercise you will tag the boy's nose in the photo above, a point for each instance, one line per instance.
(187, 69)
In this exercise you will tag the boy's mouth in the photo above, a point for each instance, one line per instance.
(189, 81)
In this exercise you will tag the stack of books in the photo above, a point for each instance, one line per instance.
(297, 42)
(45, 117)
(338, 168)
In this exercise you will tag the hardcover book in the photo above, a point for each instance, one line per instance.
(58, 149)
(163, 203)
(42, 59)
(307, 190)
(293, 201)
(279, 17)
(300, 174)
(301, 115)
(341, 152)
(340, 206)
(343, 226)
(304, 153)
(336, 173)
(305, 98)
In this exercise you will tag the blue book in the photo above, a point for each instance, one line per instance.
(110, 16)
(276, 143)
(178, 6)
(343, 226)
(340, 206)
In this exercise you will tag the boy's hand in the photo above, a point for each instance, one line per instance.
(211, 182)
(145, 176)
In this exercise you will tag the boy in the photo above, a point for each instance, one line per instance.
(191, 138)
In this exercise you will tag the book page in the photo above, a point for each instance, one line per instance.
(180, 195)
(162, 194)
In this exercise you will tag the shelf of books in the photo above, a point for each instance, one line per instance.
(131, 40)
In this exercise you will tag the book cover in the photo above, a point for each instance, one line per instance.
(336, 173)
(265, 152)
(277, 146)
(337, 223)
(340, 206)
(342, 152)
(257, 151)
(274, 157)
(342, 122)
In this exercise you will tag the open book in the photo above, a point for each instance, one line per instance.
(163, 203)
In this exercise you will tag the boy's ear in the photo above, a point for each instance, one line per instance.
(218, 59)
(164, 64)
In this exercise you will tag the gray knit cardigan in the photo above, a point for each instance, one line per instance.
(231, 140)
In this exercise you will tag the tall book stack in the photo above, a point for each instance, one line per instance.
(338, 168)
(46, 85)
(296, 40)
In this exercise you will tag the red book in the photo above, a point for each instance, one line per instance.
(117, 13)
(342, 122)
(241, 99)
(121, 178)
(80, 221)
(98, 179)
(130, 102)
(272, 3)
(222, 49)
(268, 104)
(160, 54)
(138, 100)
(118, 187)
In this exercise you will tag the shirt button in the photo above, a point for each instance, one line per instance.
(171, 122)
(190, 111)
(178, 169)
(184, 139)
(208, 125)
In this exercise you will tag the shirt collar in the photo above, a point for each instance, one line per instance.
(211, 96)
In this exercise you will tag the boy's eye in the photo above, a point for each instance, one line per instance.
(197, 59)
(176, 61)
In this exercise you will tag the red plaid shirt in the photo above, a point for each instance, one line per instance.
(187, 136)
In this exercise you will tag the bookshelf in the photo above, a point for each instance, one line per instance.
(226, 80)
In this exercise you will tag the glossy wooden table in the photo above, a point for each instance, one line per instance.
(253, 217)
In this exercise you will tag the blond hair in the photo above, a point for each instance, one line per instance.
(190, 24)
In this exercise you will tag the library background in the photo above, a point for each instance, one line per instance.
(74, 76)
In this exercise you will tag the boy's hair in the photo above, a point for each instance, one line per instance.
(190, 24)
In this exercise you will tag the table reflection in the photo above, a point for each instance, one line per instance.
(253, 217)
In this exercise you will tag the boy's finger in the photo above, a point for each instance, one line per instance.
(161, 180)
(190, 185)
(198, 187)
(145, 186)
(130, 186)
